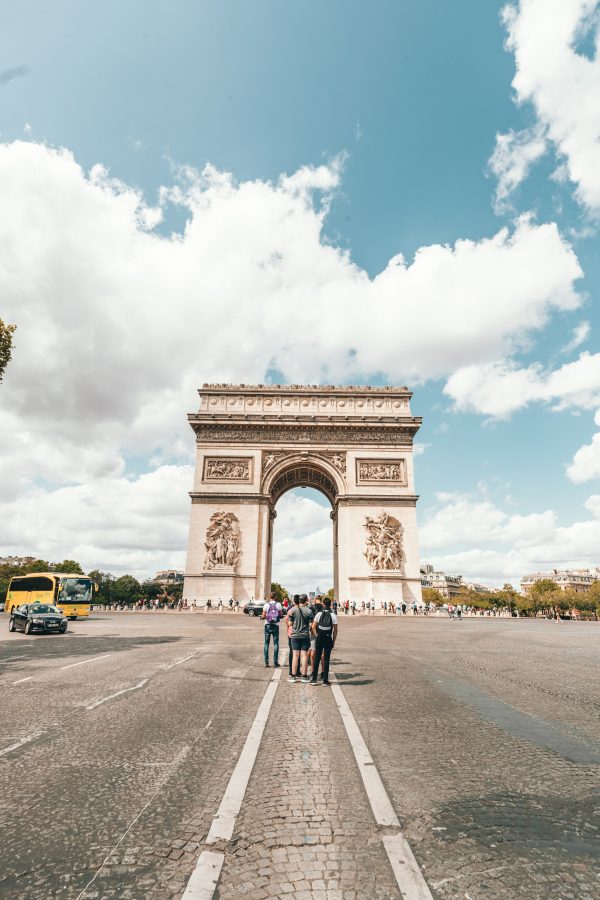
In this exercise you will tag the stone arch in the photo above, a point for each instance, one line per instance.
(354, 444)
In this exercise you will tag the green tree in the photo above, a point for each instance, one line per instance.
(430, 595)
(68, 566)
(331, 594)
(150, 589)
(126, 589)
(38, 565)
(279, 591)
(6, 345)
(104, 581)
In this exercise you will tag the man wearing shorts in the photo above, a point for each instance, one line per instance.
(300, 618)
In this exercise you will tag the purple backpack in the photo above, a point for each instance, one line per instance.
(272, 612)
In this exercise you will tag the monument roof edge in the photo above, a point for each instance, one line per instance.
(210, 388)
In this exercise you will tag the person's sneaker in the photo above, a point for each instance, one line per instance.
(326, 683)
(266, 665)
(313, 682)
(292, 679)
(276, 666)
(305, 679)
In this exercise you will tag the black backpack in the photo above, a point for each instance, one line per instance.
(325, 623)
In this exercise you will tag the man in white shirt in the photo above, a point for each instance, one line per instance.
(272, 613)
(325, 628)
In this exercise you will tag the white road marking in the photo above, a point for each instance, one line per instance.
(10, 658)
(84, 661)
(22, 742)
(224, 821)
(21, 680)
(408, 876)
(135, 687)
(203, 880)
(205, 877)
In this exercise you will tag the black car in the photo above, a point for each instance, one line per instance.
(37, 617)
(254, 607)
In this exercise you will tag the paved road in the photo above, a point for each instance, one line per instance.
(118, 744)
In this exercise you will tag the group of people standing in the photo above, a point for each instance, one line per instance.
(312, 633)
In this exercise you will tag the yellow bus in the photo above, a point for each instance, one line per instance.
(71, 593)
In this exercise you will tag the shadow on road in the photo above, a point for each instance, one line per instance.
(52, 646)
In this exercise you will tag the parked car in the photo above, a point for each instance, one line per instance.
(254, 607)
(37, 617)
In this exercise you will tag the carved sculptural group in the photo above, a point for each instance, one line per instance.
(384, 543)
(223, 541)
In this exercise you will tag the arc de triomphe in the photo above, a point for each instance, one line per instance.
(254, 443)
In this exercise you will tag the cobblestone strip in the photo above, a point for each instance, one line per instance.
(305, 830)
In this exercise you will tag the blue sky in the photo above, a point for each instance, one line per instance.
(401, 103)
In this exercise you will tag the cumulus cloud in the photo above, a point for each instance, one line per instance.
(118, 323)
(470, 535)
(586, 462)
(500, 388)
(580, 334)
(563, 86)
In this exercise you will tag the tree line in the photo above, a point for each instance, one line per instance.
(545, 598)
(123, 590)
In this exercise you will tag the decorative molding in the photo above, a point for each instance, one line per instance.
(227, 468)
(223, 543)
(267, 432)
(384, 543)
(381, 471)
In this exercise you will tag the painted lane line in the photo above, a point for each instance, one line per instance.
(204, 879)
(21, 680)
(224, 821)
(84, 661)
(406, 870)
(22, 742)
(135, 687)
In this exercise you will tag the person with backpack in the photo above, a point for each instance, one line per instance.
(300, 618)
(325, 628)
(271, 614)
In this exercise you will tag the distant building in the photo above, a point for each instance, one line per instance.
(447, 585)
(479, 588)
(579, 580)
(168, 577)
(17, 560)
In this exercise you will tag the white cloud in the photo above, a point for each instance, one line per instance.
(563, 86)
(586, 462)
(117, 324)
(513, 157)
(500, 388)
(580, 334)
(470, 535)
(136, 525)
(302, 544)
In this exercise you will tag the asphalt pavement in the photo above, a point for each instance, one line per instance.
(118, 743)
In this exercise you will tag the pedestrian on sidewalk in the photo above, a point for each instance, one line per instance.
(272, 613)
(300, 617)
(325, 628)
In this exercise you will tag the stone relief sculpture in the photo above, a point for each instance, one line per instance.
(337, 459)
(380, 471)
(223, 541)
(271, 457)
(218, 468)
(384, 543)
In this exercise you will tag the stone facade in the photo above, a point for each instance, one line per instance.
(254, 443)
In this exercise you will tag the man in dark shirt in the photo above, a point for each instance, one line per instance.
(299, 618)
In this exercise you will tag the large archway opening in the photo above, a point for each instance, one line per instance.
(302, 551)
